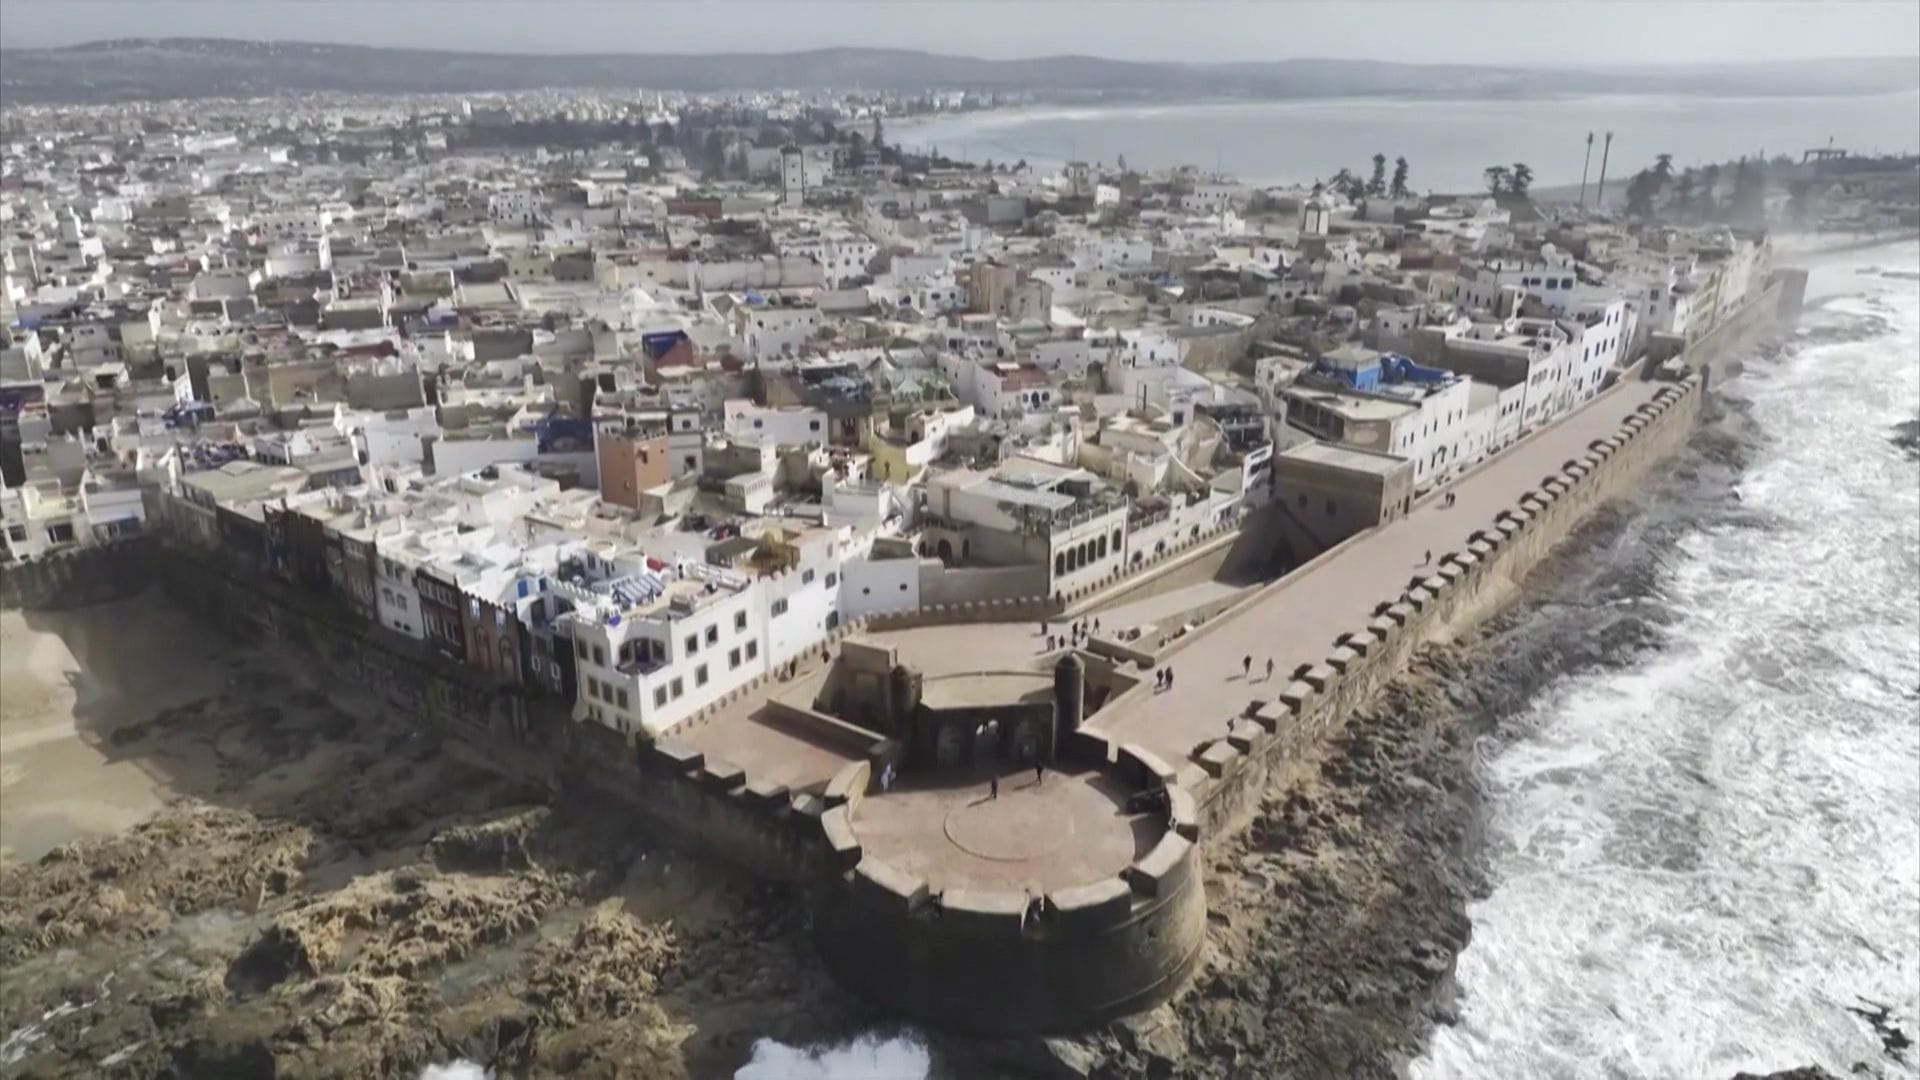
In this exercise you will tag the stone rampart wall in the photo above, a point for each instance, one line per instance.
(1456, 594)
(77, 577)
(984, 961)
(707, 808)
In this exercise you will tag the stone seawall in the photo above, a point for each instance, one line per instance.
(77, 577)
(707, 809)
(1465, 586)
(1001, 962)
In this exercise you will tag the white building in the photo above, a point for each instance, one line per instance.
(516, 206)
(790, 426)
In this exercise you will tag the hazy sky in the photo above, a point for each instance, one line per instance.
(1538, 33)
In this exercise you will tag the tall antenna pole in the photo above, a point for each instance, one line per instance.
(1600, 197)
(1584, 165)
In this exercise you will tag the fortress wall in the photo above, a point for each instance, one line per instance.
(77, 577)
(985, 961)
(708, 808)
(1465, 586)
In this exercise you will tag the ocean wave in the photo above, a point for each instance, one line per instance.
(869, 1057)
(1701, 857)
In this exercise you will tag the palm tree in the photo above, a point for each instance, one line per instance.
(1399, 187)
(1522, 178)
(1377, 183)
(1497, 176)
(1663, 166)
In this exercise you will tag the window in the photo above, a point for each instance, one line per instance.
(16, 533)
(700, 675)
(753, 649)
(620, 697)
(713, 634)
(659, 697)
(677, 689)
(693, 644)
(733, 658)
(806, 577)
(832, 580)
(593, 688)
(600, 656)
(739, 622)
(779, 608)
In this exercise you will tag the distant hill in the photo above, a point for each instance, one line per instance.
(147, 68)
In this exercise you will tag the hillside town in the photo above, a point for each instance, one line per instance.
(633, 403)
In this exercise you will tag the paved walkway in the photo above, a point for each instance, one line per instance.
(1069, 829)
(949, 650)
(1171, 605)
(1298, 623)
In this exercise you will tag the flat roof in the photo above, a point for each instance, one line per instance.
(1343, 457)
(1354, 407)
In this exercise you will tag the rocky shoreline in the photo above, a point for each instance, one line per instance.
(329, 895)
(1338, 913)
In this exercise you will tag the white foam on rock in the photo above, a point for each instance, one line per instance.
(865, 1058)
(1700, 861)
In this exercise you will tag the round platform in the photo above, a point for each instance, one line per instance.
(1007, 830)
(1068, 829)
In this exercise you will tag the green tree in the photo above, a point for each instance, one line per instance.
(1399, 188)
(1377, 183)
(1521, 178)
(1709, 192)
(1497, 177)
(1683, 189)
(1748, 204)
(1645, 186)
(1799, 201)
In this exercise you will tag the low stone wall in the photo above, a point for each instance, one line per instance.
(1456, 594)
(77, 577)
(1028, 609)
(977, 961)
